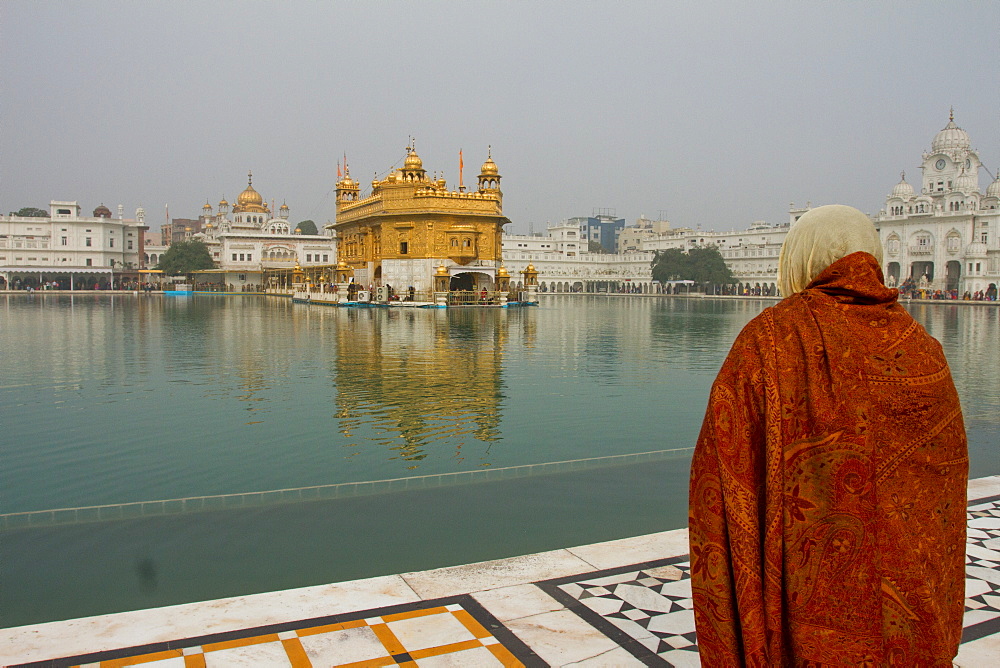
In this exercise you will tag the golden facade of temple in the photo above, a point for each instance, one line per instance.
(411, 225)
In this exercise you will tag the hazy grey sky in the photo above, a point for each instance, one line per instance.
(715, 113)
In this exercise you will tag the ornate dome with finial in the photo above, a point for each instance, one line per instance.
(249, 196)
(413, 160)
(207, 207)
(903, 190)
(250, 201)
(102, 211)
(993, 190)
(223, 202)
(951, 137)
(490, 168)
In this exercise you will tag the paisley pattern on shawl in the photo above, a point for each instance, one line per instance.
(827, 498)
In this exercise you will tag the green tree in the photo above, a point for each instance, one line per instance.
(30, 212)
(670, 265)
(708, 267)
(702, 264)
(307, 227)
(594, 246)
(183, 257)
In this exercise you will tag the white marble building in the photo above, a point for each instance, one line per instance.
(564, 265)
(947, 235)
(69, 249)
(252, 239)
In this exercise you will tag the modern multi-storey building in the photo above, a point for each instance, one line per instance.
(603, 228)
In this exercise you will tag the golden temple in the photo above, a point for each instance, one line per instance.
(414, 234)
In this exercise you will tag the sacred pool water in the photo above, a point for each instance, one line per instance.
(191, 448)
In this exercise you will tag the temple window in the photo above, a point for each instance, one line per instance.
(403, 248)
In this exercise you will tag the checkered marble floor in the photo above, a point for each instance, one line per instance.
(982, 583)
(432, 633)
(647, 608)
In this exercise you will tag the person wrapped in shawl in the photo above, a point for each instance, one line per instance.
(828, 485)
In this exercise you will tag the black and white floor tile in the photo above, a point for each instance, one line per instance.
(647, 608)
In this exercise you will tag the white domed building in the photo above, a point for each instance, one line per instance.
(946, 236)
(252, 241)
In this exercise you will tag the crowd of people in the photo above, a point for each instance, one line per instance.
(910, 289)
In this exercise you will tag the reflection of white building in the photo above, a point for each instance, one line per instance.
(947, 236)
(251, 239)
(70, 249)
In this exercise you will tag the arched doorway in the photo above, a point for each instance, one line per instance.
(463, 281)
(953, 272)
(892, 273)
(918, 269)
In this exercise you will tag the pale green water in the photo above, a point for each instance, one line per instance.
(111, 400)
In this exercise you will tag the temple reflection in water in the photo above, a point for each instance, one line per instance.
(408, 378)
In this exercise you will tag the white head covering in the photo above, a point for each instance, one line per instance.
(818, 239)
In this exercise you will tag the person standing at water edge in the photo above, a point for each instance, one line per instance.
(828, 485)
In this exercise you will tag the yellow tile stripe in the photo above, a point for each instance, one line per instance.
(296, 653)
(470, 622)
(329, 628)
(241, 642)
(194, 661)
(299, 658)
(370, 663)
(388, 638)
(445, 649)
(504, 656)
(413, 614)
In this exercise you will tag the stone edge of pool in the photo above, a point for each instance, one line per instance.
(501, 586)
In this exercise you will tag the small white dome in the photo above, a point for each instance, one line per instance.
(965, 182)
(903, 190)
(993, 190)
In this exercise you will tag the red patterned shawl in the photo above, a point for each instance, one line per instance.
(828, 486)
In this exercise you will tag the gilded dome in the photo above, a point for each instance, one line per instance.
(993, 190)
(413, 160)
(903, 190)
(207, 207)
(951, 137)
(249, 197)
(490, 168)
(223, 202)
